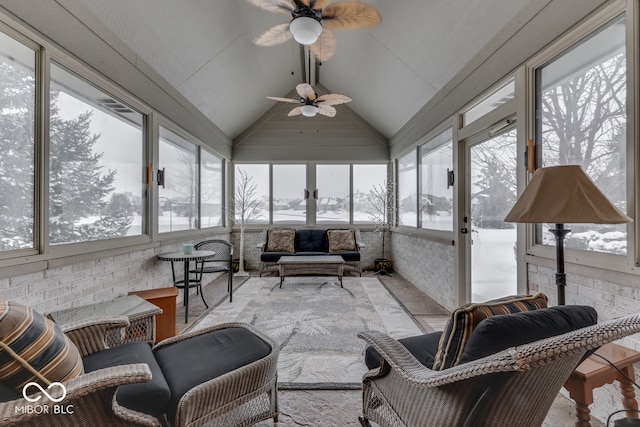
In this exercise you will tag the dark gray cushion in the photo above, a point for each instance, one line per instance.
(311, 240)
(503, 331)
(151, 397)
(186, 364)
(348, 256)
(423, 348)
(273, 256)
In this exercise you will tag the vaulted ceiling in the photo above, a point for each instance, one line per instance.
(204, 48)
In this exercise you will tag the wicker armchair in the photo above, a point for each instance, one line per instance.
(241, 397)
(90, 396)
(515, 387)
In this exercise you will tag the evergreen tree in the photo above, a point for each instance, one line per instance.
(16, 157)
(79, 205)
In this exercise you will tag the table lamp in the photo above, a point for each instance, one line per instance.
(563, 195)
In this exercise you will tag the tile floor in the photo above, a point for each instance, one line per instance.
(329, 408)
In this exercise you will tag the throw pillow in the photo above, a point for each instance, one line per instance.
(463, 321)
(34, 348)
(341, 240)
(281, 240)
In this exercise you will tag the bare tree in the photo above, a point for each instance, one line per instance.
(246, 207)
(381, 208)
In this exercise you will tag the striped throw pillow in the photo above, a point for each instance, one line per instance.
(464, 319)
(30, 342)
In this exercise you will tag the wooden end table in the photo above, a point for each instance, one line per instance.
(311, 264)
(165, 298)
(595, 372)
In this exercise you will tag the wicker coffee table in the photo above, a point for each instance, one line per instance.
(331, 265)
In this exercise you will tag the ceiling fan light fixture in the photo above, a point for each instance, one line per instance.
(305, 30)
(309, 110)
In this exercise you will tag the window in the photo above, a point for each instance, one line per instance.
(490, 103)
(436, 195)
(177, 196)
(407, 190)
(332, 204)
(289, 205)
(581, 119)
(211, 190)
(17, 145)
(251, 195)
(96, 189)
(371, 190)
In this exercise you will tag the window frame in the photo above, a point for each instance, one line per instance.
(310, 185)
(621, 263)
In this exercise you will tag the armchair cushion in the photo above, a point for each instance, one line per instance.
(503, 331)
(281, 240)
(39, 345)
(341, 240)
(464, 319)
(149, 397)
(422, 347)
(191, 362)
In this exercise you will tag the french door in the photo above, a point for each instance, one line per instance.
(490, 192)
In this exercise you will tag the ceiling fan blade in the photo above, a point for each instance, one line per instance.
(306, 91)
(295, 112)
(318, 4)
(334, 99)
(275, 35)
(326, 45)
(326, 110)
(289, 100)
(350, 15)
(277, 6)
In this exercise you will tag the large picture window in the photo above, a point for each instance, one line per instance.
(96, 188)
(436, 195)
(582, 120)
(251, 194)
(17, 146)
(371, 190)
(177, 196)
(210, 190)
(289, 205)
(332, 204)
(407, 190)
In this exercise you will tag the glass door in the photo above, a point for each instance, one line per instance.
(491, 192)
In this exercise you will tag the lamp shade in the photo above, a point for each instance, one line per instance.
(309, 110)
(305, 30)
(564, 195)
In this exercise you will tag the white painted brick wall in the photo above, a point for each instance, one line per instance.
(93, 281)
(428, 265)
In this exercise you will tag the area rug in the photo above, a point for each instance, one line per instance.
(315, 321)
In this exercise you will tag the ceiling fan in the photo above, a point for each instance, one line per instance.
(312, 20)
(310, 103)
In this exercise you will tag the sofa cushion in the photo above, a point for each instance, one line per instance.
(273, 256)
(151, 397)
(281, 240)
(201, 358)
(348, 256)
(341, 240)
(503, 331)
(464, 319)
(422, 347)
(311, 240)
(38, 343)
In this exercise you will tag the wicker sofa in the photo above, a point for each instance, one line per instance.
(278, 242)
